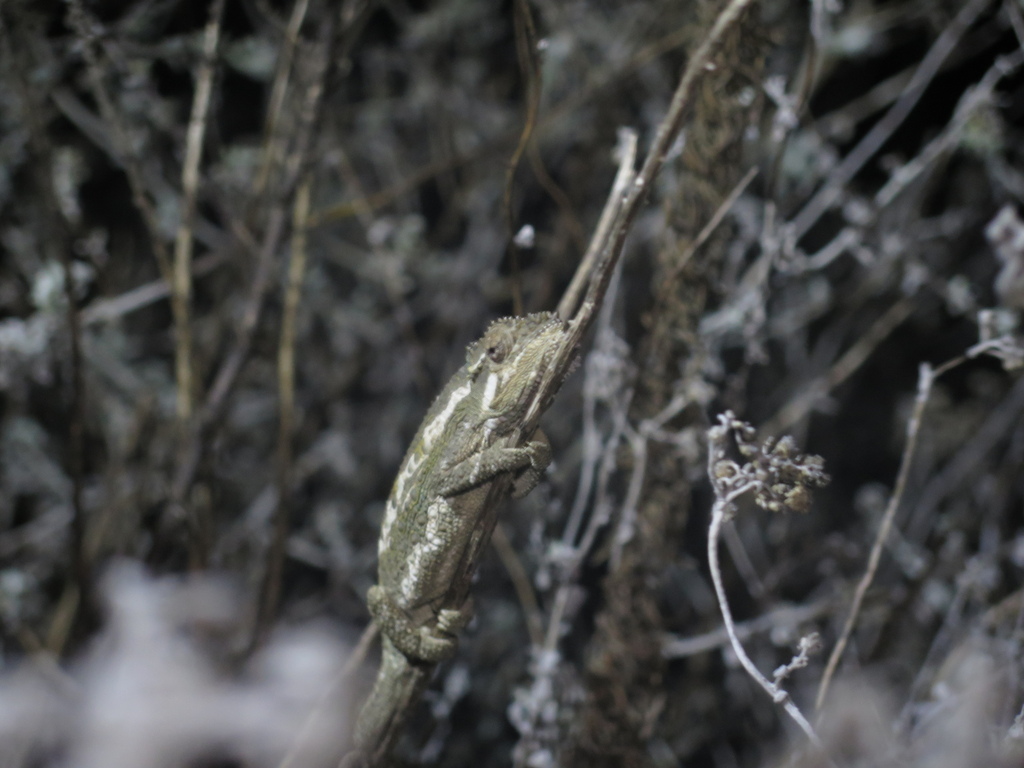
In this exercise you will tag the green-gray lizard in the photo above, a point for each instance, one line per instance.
(432, 521)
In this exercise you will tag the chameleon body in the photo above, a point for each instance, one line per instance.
(440, 496)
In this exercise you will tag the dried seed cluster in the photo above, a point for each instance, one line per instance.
(780, 477)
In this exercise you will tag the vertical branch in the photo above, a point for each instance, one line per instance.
(216, 399)
(526, 47)
(926, 377)
(275, 216)
(181, 285)
(75, 590)
(668, 130)
(271, 591)
(76, 425)
(277, 94)
(625, 154)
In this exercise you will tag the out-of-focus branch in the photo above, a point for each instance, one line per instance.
(181, 296)
(271, 137)
(271, 591)
(884, 128)
(226, 376)
(926, 377)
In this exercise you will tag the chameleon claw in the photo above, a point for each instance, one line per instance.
(434, 647)
(451, 621)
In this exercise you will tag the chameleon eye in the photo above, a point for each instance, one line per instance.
(499, 346)
(497, 352)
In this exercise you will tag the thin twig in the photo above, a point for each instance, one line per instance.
(647, 430)
(520, 582)
(526, 55)
(779, 696)
(926, 377)
(76, 430)
(744, 565)
(785, 617)
(77, 586)
(224, 381)
(105, 310)
(181, 288)
(625, 153)
(850, 361)
(963, 466)
(556, 193)
(603, 461)
(271, 591)
(939, 650)
(330, 691)
(370, 202)
(724, 207)
(277, 94)
(884, 128)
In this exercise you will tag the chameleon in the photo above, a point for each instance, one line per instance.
(441, 495)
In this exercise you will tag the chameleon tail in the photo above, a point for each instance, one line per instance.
(398, 687)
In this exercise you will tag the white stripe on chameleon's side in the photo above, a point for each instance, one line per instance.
(490, 388)
(425, 552)
(397, 499)
(390, 513)
(416, 457)
(436, 427)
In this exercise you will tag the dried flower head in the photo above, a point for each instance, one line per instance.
(780, 477)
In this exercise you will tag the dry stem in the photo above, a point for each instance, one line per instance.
(181, 287)
(271, 591)
(884, 128)
(723, 506)
(926, 377)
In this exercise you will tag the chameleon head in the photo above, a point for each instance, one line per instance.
(507, 364)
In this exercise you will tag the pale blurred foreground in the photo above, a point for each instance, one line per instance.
(156, 689)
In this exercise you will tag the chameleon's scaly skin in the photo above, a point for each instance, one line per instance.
(440, 496)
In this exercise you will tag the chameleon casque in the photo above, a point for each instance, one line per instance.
(441, 494)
